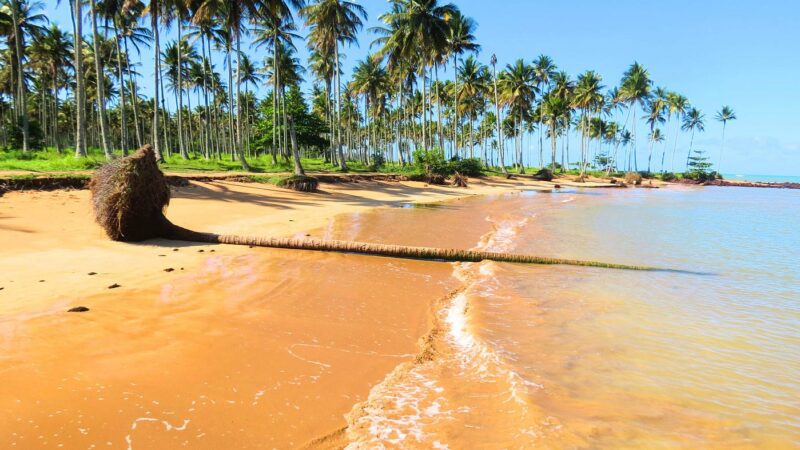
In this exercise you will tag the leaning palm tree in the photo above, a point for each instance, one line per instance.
(635, 90)
(655, 116)
(694, 120)
(334, 22)
(129, 196)
(724, 115)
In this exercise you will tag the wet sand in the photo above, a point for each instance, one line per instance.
(233, 347)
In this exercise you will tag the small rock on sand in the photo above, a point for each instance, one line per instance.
(78, 309)
(92, 273)
(168, 269)
(114, 286)
(200, 251)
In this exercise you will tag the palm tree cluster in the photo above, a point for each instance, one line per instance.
(64, 88)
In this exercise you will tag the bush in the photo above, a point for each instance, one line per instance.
(633, 178)
(668, 176)
(378, 161)
(460, 180)
(471, 167)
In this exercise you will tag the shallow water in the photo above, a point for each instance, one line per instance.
(558, 356)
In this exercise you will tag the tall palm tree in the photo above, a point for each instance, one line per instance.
(105, 137)
(460, 39)
(545, 69)
(52, 50)
(635, 90)
(370, 80)
(677, 106)
(693, 120)
(334, 22)
(655, 116)
(475, 81)
(500, 141)
(19, 19)
(518, 91)
(588, 97)
(724, 115)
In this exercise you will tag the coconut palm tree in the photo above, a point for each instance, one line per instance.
(518, 91)
(475, 82)
(588, 97)
(52, 50)
(370, 80)
(19, 20)
(677, 106)
(635, 90)
(334, 22)
(724, 115)
(105, 138)
(693, 120)
(655, 116)
(460, 39)
(545, 69)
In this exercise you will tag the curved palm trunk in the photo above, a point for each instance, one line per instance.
(101, 102)
(689, 155)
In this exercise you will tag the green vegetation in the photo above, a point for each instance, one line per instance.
(212, 106)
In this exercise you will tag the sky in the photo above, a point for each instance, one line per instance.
(741, 53)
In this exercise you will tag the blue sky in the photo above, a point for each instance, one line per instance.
(745, 54)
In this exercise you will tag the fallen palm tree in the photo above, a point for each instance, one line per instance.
(129, 196)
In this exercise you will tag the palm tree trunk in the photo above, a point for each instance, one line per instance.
(80, 84)
(101, 103)
(181, 145)
(123, 129)
(21, 97)
(156, 76)
(298, 167)
(239, 149)
(722, 150)
(342, 163)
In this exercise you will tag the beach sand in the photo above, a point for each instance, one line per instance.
(204, 346)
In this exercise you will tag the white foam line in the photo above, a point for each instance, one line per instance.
(167, 426)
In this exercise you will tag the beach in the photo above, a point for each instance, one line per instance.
(261, 348)
(179, 336)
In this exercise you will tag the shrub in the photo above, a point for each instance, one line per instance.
(378, 160)
(668, 176)
(460, 180)
(472, 167)
(633, 178)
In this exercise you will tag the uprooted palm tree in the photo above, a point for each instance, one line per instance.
(129, 196)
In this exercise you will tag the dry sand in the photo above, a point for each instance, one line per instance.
(232, 347)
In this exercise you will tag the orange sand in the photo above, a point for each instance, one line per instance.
(235, 347)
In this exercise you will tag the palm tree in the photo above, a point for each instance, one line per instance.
(475, 80)
(724, 115)
(18, 19)
(52, 49)
(460, 39)
(98, 68)
(677, 105)
(693, 121)
(518, 90)
(369, 80)
(588, 97)
(635, 90)
(334, 22)
(545, 69)
(655, 116)
(500, 141)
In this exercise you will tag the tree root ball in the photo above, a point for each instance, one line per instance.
(460, 180)
(129, 196)
(300, 183)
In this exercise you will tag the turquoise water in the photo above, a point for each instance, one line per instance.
(764, 178)
(571, 357)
